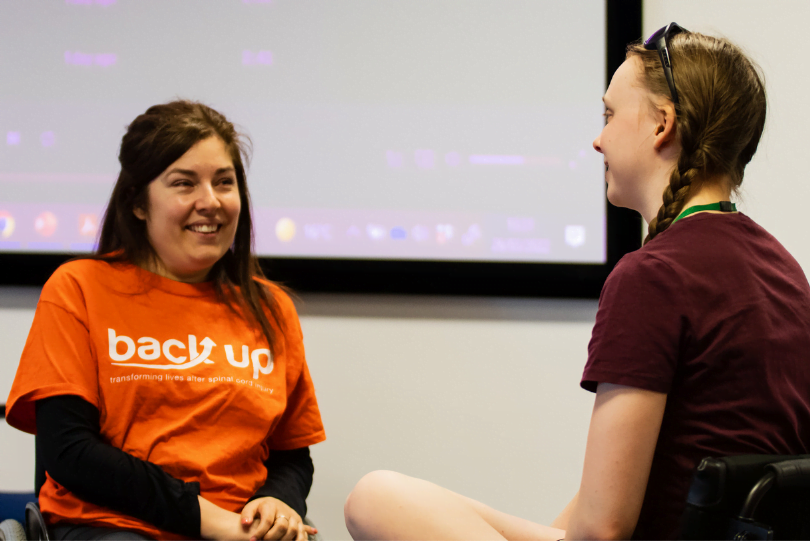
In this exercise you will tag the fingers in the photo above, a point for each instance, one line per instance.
(266, 512)
(248, 512)
(279, 529)
(302, 533)
(284, 528)
(292, 530)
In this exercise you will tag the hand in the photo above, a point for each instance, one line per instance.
(270, 518)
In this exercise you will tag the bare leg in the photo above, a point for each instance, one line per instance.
(390, 506)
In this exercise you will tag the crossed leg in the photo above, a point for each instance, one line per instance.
(387, 505)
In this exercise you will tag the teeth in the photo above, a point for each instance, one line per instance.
(204, 228)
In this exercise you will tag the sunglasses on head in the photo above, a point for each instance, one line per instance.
(658, 41)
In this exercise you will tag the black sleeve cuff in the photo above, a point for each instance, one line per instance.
(289, 478)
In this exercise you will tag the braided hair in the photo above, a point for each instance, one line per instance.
(719, 119)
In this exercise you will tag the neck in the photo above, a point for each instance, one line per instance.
(155, 265)
(707, 193)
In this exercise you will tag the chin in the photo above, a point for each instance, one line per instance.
(619, 199)
(613, 197)
(201, 262)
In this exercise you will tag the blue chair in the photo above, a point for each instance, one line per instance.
(15, 510)
(12, 505)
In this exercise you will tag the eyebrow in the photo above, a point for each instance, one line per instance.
(192, 173)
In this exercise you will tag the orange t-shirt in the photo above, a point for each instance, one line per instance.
(178, 378)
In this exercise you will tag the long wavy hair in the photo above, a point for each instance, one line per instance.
(155, 140)
(719, 120)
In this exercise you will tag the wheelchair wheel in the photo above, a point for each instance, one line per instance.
(35, 526)
(11, 530)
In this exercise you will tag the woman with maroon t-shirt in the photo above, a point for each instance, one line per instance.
(701, 337)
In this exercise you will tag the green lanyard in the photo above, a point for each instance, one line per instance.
(722, 206)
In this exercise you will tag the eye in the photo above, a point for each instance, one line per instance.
(228, 181)
(608, 115)
(182, 182)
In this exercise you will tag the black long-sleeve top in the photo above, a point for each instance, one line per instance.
(75, 456)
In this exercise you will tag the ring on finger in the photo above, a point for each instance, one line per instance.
(282, 516)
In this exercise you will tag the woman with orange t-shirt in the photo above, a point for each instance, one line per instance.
(165, 377)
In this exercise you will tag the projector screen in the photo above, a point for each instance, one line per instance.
(453, 130)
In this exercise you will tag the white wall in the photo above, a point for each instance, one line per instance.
(482, 395)
(16, 448)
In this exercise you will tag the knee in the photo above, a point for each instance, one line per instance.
(365, 505)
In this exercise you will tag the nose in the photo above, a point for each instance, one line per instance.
(597, 144)
(207, 199)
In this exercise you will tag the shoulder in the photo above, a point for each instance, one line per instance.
(708, 245)
(640, 261)
(710, 235)
(75, 281)
(279, 293)
(643, 291)
(73, 277)
(281, 297)
(644, 268)
(79, 268)
(689, 248)
(765, 244)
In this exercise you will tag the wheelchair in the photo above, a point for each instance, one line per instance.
(32, 525)
(749, 497)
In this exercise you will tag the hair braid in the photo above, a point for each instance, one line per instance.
(681, 181)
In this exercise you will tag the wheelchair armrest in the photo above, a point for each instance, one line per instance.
(792, 473)
(725, 488)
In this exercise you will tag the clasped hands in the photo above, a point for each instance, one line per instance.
(262, 518)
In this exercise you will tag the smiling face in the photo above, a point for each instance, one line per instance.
(637, 165)
(192, 213)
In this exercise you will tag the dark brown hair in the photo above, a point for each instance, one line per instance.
(719, 119)
(154, 141)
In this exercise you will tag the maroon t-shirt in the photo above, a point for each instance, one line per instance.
(715, 313)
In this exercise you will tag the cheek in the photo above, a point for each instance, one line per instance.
(166, 219)
(232, 206)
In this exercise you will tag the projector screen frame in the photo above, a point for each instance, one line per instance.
(623, 18)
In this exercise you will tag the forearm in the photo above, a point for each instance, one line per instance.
(289, 478)
(74, 456)
(218, 523)
(564, 517)
(583, 524)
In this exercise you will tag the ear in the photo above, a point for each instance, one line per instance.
(664, 131)
(139, 213)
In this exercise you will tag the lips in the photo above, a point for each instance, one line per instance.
(204, 228)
